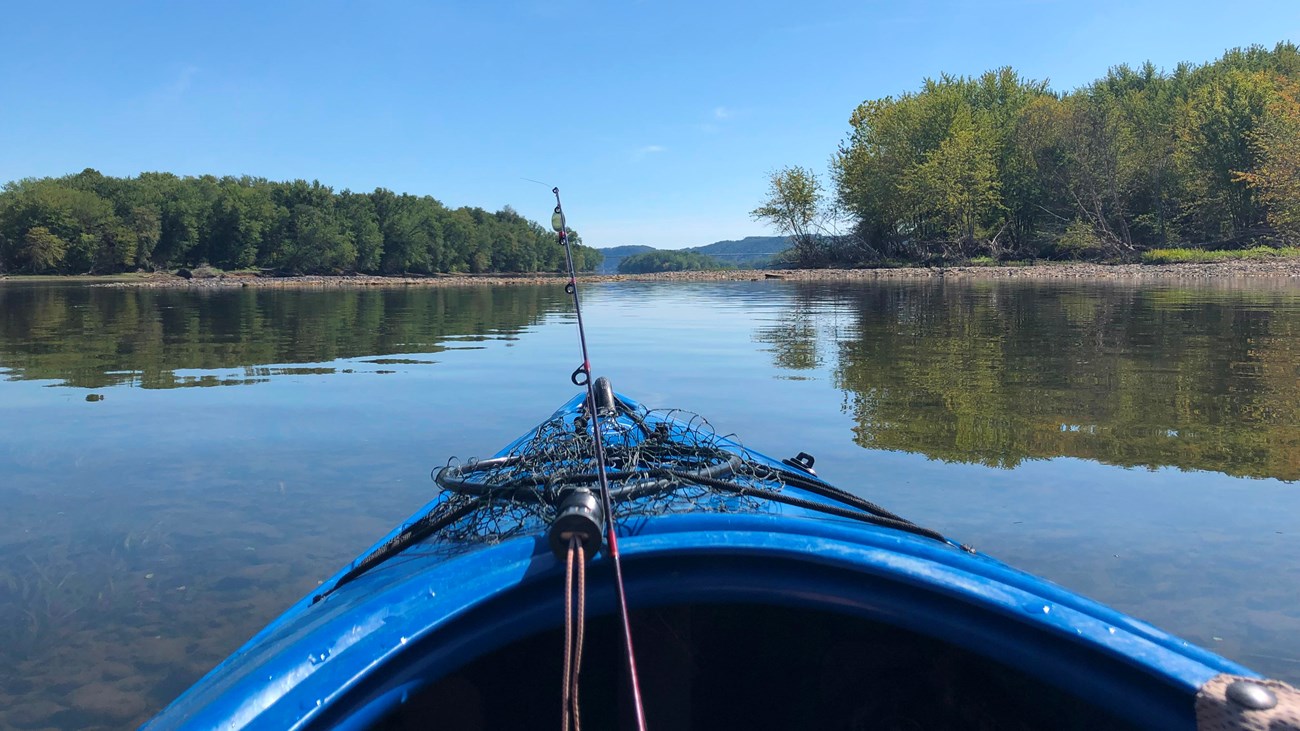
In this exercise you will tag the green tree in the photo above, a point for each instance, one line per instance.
(1149, 108)
(957, 184)
(146, 227)
(668, 261)
(404, 247)
(1137, 159)
(1086, 143)
(795, 206)
(1276, 179)
(159, 220)
(242, 217)
(925, 173)
(357, 216)
(585, 258)
(869, 168)
(42, 251)
(317, 244)
(1221, 118)
(458, 235)
(184, 209)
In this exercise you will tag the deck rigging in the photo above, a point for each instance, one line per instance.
(581, 377)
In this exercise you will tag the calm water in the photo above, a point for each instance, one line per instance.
(176, 468)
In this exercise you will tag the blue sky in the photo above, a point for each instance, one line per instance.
(658, 120)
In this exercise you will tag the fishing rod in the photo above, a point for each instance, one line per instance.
(582, 377)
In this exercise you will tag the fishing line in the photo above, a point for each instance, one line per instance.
(581, 376)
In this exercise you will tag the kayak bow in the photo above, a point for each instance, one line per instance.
(760, 596)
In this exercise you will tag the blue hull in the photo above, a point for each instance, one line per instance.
(370, 640)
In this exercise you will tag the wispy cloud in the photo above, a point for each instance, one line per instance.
(642, 153)
(718, 118)
(168, 94)
(181, 83)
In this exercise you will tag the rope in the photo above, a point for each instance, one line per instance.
(573, 630)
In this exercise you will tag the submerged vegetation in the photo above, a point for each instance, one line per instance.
(1002, 166)
(93, 223)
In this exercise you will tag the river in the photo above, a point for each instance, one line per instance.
(177, 467)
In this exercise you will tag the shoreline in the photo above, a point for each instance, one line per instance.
(1276, 269)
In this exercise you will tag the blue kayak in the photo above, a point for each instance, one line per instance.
(759, 596)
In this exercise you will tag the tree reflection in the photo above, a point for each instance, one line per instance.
(96, 337)
(997, 373)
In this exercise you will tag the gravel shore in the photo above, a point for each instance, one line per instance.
(1275, 269)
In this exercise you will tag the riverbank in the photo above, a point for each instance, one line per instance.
(1287, 268)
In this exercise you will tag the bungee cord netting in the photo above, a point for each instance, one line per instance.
(658, 462)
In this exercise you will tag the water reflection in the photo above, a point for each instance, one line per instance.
(998, 373)
(93, 337)
(148, 531)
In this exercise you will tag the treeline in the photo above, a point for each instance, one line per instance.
(669, 261)
(92, 223)
(999, 165)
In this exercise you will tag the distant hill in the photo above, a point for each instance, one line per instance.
(614, 255)
(751, 252)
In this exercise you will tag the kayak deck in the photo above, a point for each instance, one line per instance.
(659, 463)
(749, 578)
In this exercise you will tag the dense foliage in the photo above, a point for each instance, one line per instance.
(90, 222)
(668, 261)
(1205, 156)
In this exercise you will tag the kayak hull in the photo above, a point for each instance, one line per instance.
(353, 655)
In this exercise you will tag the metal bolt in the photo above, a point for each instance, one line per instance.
(1251, 695)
